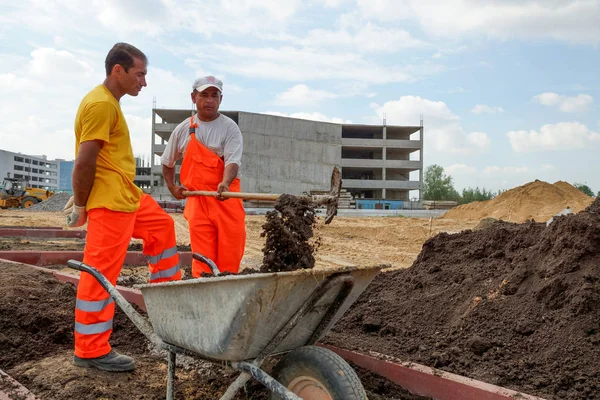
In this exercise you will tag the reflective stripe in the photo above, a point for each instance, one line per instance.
(93, 306)
(165, 254)
(167, 273)
(93, 329)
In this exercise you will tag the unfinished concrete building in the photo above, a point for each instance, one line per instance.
(377, 164)
(289, 155)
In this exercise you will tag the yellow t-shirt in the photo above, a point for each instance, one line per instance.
(100, 117)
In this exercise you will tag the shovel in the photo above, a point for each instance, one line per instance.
(330, 200)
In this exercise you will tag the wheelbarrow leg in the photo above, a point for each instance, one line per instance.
(239, 383)
(171, 375)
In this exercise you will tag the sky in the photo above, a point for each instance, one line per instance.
(508, 89)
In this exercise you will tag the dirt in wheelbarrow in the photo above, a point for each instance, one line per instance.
(288, 231)
(516, 305)
(36, 349)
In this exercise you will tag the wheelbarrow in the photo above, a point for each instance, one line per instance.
(241, 320)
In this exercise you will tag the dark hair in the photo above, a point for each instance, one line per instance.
(123, 55)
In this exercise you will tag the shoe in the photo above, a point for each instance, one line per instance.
(112, 362)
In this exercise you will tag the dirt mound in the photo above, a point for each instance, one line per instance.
(288, 231)
(36, 317)
(56, 202)
(516, 305)
(536, 200)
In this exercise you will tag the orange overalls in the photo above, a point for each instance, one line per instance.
(217, 228)
(108, 236)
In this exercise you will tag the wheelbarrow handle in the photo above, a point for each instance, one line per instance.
(140, 322)
(203, 259)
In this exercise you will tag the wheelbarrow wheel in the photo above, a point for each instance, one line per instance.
(315, 373)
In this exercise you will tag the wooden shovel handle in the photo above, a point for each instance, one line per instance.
(235, 195)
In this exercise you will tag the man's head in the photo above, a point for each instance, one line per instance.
(126, 66)
(207, 94)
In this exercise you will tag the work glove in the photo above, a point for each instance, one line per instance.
(76, 215)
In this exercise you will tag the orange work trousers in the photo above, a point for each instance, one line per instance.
(217, 231)
(217, 228)
(108, 236)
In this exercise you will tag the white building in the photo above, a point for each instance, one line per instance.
(37, 170)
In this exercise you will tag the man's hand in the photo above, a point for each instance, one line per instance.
(177, 191)
(223, 187)
(76, 215)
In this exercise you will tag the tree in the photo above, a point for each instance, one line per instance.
(437, 185)
(470, 194)
(584, 188)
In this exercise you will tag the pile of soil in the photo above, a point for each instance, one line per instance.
(288, 230)
(516, 305)
(36, 349)
(56, 202)
(536, 200)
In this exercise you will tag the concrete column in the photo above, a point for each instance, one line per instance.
(152, 141)
(384, 157)
(422, 166)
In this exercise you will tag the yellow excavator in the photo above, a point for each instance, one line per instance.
(17, 193)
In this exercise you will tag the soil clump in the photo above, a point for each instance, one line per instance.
(536, 200)
(515, 305)
(288, 230)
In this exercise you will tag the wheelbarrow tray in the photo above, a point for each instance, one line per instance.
(234, 317)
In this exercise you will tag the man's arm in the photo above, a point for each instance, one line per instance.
(84, 170)
(229, 175)
(169, 175)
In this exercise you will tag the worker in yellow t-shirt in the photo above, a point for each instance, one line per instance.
(113, 206)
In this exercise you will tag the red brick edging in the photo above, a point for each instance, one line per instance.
(17, 391)
(42, 233)
(424, 381)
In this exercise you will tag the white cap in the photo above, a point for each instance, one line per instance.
(205, 82)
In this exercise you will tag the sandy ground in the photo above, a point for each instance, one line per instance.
(346, 241)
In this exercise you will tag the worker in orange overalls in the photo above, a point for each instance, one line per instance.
(211, 146)
(114, 208)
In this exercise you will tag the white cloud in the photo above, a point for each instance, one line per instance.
(458, 169)
(367, 38)
(315, 116)
(442, 128)
(453, 50)
(151, 17)
(561, 136)
(55, 64)
(578, 103)
(495, 170)
(485, 109)
(565, 20)
(288, 63)
(300, 95)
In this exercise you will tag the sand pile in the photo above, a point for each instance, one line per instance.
(536, 200)
(56, 202)
(516, 305)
